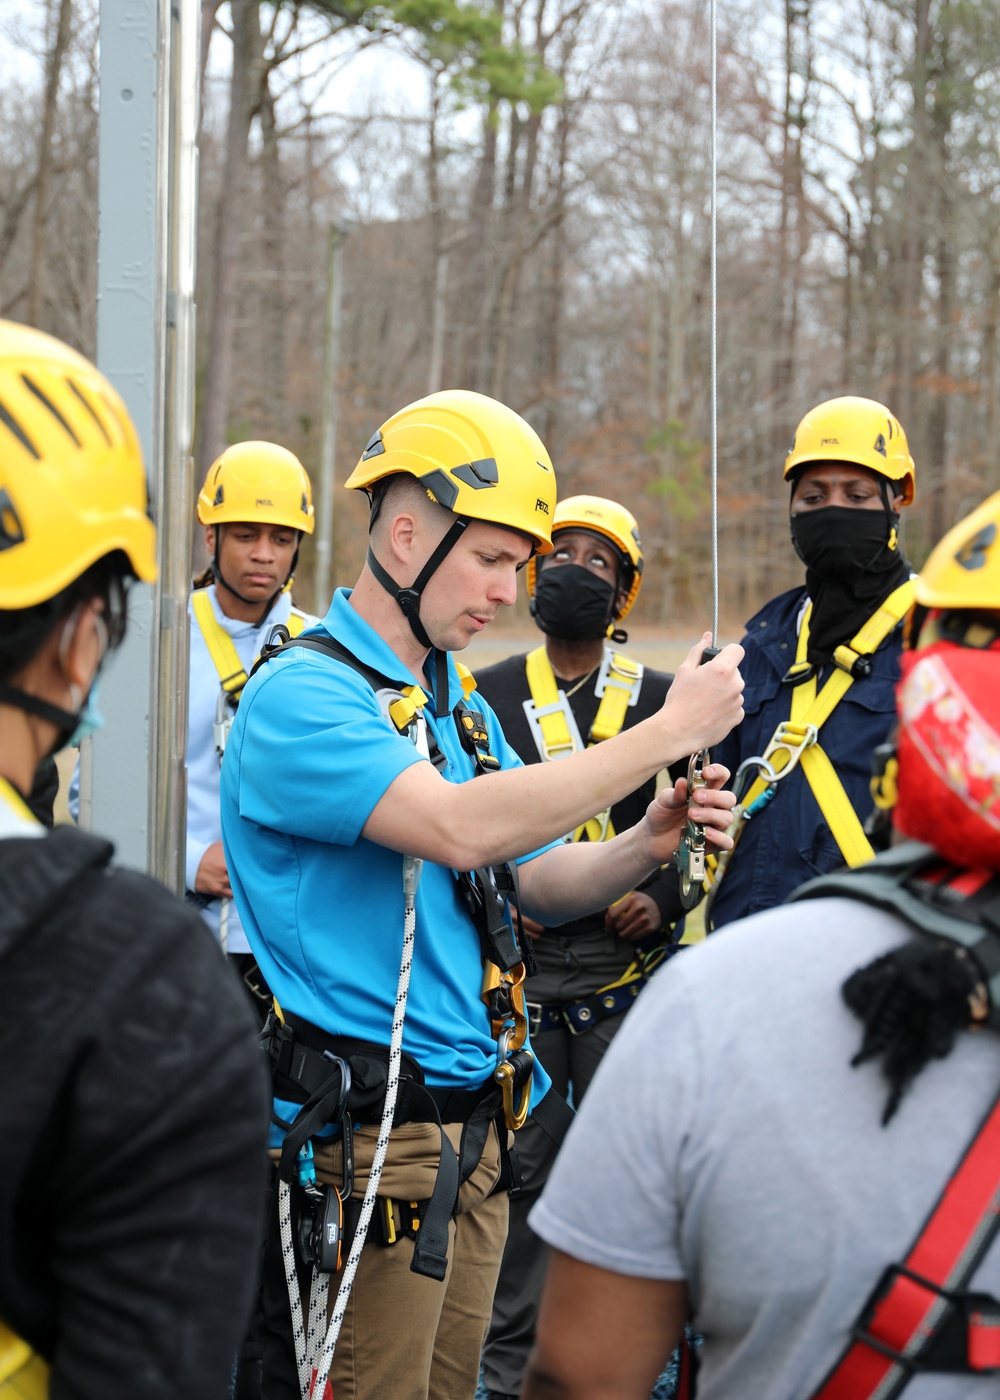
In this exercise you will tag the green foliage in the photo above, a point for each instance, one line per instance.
(461, 40)
(683, 479)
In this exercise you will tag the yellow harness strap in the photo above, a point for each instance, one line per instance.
(619, 686)
(232, 676)
(557, 741)
(622, 678)
(18, 808)
(23, 1373)
(795, 739)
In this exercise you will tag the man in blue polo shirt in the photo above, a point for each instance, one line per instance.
(323, 798)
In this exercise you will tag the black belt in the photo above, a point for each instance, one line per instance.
(335, 1077)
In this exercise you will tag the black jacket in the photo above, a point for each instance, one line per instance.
(133, 1110)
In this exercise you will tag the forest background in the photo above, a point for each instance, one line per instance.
(520, 190)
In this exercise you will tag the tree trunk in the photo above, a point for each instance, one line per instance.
(274, 302)
(230, 219)
(36, 294)
(914, 216)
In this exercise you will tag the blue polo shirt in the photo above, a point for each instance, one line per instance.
(309, 757)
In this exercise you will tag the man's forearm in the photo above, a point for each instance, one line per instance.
(570, 881)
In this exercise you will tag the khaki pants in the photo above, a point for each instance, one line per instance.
(406, 1337)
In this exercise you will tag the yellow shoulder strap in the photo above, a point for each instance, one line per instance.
(550, 716)
(232, 676)
(296, 623)
(225, 657)
(23, 1373)
(557, 738)
(809, 712)
(623, 678)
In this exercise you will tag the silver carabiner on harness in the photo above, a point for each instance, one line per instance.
(690, 854)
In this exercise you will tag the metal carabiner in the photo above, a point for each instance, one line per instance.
(509, 1066)
(690, 854)
(765, 769)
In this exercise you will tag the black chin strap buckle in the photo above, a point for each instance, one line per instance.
(409, 602)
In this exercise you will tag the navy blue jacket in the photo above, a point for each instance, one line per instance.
(789, 842)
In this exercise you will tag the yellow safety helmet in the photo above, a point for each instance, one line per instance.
(473, 455)
(851, 429)
(261, 482)
(963, 569)
(611, 521)
(72, 484)
(959, 583)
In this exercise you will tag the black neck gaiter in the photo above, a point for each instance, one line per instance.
(850, 570)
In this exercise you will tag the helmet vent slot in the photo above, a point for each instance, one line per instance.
(11, 422)
(116, 415)
(11, 530)
(44, 399)
(478, 474)
(90, 409)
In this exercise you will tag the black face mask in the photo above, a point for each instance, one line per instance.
(572, 603)
(850, 570)
(839, 542)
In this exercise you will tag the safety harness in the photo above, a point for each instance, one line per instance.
(340, 1081)
(553, 725)
(795, 741)
(920, 1315)
(23, 1373)
(556, 734)
(232, 679)
(221, 648)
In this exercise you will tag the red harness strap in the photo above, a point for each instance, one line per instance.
(915, 1300)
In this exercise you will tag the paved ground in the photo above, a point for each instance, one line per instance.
(663, 653)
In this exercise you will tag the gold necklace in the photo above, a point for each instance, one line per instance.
(581, 682)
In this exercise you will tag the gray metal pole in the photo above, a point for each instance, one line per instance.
(328, 450)
(144, 344)
(168, 775)
(130, 308)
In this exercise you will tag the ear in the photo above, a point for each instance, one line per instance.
(403, 533)
(210, 539)
(897, 504)
(80, 649)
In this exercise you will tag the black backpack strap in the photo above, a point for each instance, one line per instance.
(936, 900)
(280, 641)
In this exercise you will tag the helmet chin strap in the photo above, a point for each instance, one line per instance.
(64, 720)
(409, 604)
(220, 582)
(409, 598)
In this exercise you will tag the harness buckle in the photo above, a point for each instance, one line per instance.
(790, 740)
(959, 1334)
(626, 676)
(559, 749)
(858, 665)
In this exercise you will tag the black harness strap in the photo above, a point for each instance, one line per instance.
(301, 1055)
